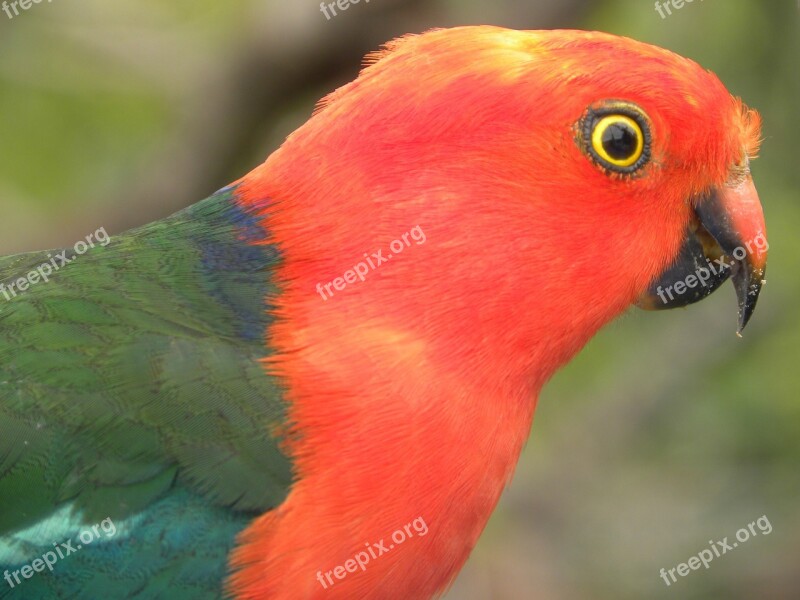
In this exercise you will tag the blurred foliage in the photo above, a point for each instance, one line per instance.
(666, 432)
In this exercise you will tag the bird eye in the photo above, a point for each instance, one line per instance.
(617, 137)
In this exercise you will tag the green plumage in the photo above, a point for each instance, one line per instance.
(133, 377)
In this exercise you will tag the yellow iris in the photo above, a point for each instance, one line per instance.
(618, 140)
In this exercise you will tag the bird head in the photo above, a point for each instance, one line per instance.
(559, 176)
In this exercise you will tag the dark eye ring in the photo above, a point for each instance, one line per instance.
(617, 136)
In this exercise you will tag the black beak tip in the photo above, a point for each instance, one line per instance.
(748, 287)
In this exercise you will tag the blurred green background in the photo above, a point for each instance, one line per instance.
(666, 432)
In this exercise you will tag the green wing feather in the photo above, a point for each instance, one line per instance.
(137, 369)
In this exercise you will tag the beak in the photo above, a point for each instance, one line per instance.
(726, 238)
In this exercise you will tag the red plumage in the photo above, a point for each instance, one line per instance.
(411, 393)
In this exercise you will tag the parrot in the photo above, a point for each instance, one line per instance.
(316, 383)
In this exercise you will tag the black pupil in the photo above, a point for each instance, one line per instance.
(619, 141)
